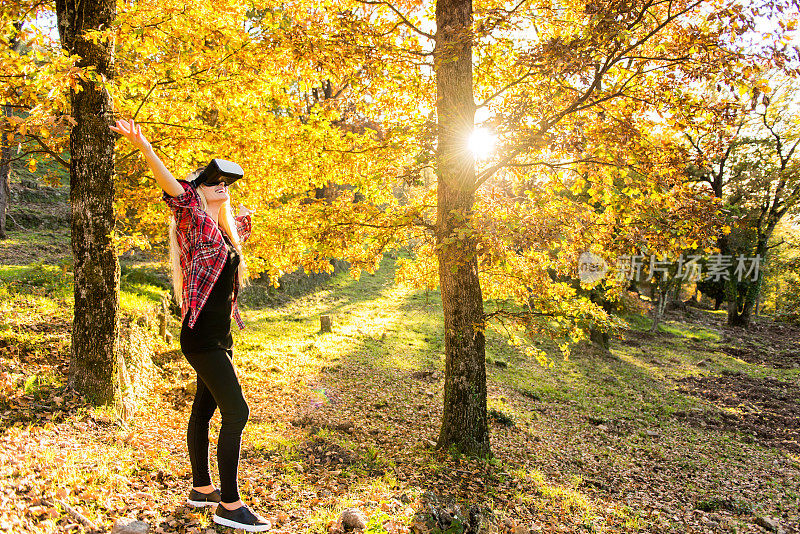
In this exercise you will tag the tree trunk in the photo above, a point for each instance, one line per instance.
(5, 172)
(740, 308)
(659, 306)
(736, 317)
(94, 367)
(5, 150)
(464, 422)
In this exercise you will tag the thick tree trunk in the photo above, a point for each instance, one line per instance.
(94, 368)
(464, 422)
(5, 171)
(735, 316)
(740, 307)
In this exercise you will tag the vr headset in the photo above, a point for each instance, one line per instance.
(219, 170)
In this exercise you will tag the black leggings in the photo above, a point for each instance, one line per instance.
(217, 385)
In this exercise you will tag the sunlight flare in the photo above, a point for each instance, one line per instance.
(481, 143)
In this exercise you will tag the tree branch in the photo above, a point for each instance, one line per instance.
(399, 14)
(49, 150)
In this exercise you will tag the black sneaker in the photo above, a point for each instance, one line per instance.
(241, 518)
(200, 500)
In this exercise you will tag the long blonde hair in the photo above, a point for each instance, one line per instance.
(226, 223)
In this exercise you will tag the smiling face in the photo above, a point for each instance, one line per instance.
(215, 192)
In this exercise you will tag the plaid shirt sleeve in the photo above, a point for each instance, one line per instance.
(243, 227)
(184, 206)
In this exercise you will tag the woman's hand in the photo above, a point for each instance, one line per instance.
(245, 211)
(133, 133)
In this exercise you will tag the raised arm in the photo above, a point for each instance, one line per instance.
(133, 133)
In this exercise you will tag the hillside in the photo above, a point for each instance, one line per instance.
(694, 428)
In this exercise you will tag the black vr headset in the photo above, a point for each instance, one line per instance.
(219, 170)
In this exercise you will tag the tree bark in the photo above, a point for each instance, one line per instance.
(5, 150)
(94, 365)
(740, 307)
(5, 171)
(464, 422)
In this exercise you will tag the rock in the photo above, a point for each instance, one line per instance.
(127, 525)
(604, 428)
(345, 426)
(652, 433)
(769, 523)
(352, 518)
(418, 527)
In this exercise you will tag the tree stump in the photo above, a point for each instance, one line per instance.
(325, 324)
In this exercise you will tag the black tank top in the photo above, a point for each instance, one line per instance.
(212, 330)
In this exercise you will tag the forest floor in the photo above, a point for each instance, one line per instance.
(695, 428)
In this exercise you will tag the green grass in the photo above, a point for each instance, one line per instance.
(36, 279)
(141, 286)
(690, 331)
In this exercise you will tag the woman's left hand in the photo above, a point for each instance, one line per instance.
(243, 211)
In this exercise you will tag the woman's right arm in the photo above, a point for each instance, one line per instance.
(133, 133)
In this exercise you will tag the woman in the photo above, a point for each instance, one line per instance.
(207, 267)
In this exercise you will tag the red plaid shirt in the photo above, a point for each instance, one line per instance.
(203, 251)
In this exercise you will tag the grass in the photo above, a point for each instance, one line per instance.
(141, 286)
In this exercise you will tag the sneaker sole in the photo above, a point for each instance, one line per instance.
(200, 504)
(233, 524)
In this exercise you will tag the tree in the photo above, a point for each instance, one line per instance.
(570, 105)
(5, 143)
(36, 77)
(464, 421)
(753, 165)
(94, 366)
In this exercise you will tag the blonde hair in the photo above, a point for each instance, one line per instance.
(226, 223)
